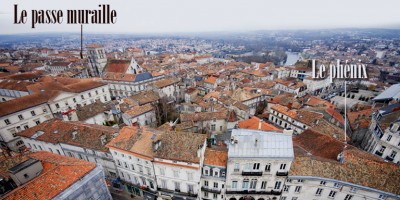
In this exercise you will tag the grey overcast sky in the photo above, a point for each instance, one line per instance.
(166, 16)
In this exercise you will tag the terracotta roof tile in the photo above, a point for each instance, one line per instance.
(117, 66)
(359, 167)
(253, 124)
(57, 131)
(59, 173)
(216, 157)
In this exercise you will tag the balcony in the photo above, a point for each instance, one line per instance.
(252, 173)
(210, 189)
(271, 192)
(278, 173)
(389, 158)
(378, 153)
(177, 192)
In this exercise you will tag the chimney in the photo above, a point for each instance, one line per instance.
(288, 131)
(259, 124)
(199, 150)
(74, 134)
(289, 105)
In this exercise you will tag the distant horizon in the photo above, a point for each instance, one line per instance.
(181, 16)
(202, 32)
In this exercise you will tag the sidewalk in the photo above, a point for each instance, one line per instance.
(118, 195)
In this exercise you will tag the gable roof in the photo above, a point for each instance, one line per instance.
(117, 66)
(56, 131)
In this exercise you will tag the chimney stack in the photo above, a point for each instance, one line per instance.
(259, 124)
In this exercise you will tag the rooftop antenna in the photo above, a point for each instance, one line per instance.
(81, 41)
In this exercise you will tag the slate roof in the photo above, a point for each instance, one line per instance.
(260, 144)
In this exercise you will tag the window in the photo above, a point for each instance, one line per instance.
(283, 166)
(7, 121)
(57, 106)
(40, 147)
(20, 117)
(74, 100)
(213, 127)
(176, 173)
(51, 150)
(205, 194)
(215, 196)
(162, 171)
(332, 194)
(263, 184)
(190, 176)
(215, 185)
(297, 189)
(205, 171)
(389, 138)
(177, 186)
(82, 97)
(277, 185)
(37, 122)
(26, 127)
(163, 183)
(348, 197)
(234, 184)
(90, 94)
(125, 165)
(256, 166)
(300, 180)
(294, 198)
(393, 154)
(283, 198)
(336, 185)
(26, 176)
(190, 188)
(245, 184)
(33, 113)
(268, 167)
(206, 183)
(318, 192)
(236, 168)
(353, 189)
(148, 171)
(140, 169)
(322, 183)
(216, 173)
(382, 149)
(382, 197)
(286, 188)
(253, 183)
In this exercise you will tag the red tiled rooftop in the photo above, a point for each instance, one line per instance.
(59, 173)
(253, 123)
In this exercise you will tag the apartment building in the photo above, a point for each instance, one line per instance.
(158, 163)
(343, 172)
(178, 161)
(213, 175)
(258, 164)
(73, 139)
(50, 176)
(383, 137)
(133, 154)
(21, 114)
